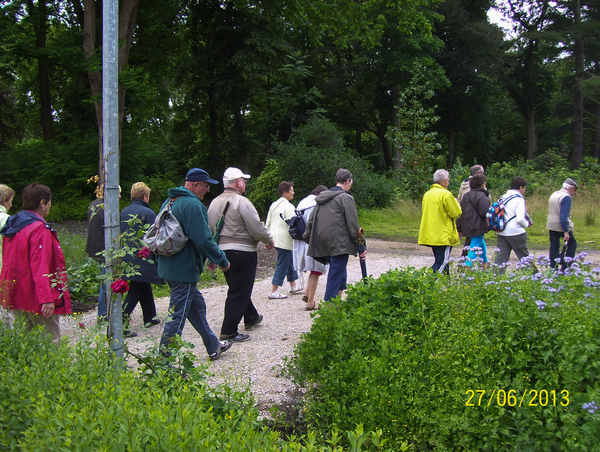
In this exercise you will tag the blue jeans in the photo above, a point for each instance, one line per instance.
(187, 303)
(337, 276)
(285, 266)
(102, 311)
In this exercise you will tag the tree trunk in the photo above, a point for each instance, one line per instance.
(238, 118)
(396, 126)
(214, 131)
(578, 98)
(127, 17)
(532, 144)
(380, 133)
(596, 144)
(40, 21)
(451, 135)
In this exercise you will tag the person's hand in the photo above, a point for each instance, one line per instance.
(211, 266)
(226, 268)
(460, 235)
(363, 255)
(270, 246)
(567, 237)
(47, 309)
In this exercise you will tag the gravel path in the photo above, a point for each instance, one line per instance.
(256, 362)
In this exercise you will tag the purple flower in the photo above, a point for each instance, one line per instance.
(496, 250)
(581, 256)
(591, 407)
(556, 305)
(540, 304)
(552, 290)
(470, 278)
(547, 281)
(521, 300)
(543, 261)
(489, 283)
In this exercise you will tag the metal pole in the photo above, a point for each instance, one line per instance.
(110, 111)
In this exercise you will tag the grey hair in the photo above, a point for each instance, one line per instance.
(229, 183)
(567, 186)
(440, 175)
(476, 170)
(342, 175)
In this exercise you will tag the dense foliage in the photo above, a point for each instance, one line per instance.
(412, 353)
(74, 398)
(230, 84)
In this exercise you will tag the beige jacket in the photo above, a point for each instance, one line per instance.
(242, 230)
(279, 228)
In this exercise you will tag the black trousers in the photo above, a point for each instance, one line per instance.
(140, 292)
(555, 245)
(240, 279)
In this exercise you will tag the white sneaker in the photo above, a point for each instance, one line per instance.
(297, 289)
(277, 296)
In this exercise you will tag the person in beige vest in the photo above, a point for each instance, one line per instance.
(559, 222)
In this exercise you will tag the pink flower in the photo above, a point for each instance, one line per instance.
(119, 286)
(143, 253)
(82, 326)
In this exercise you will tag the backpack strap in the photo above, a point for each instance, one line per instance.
(506, 202)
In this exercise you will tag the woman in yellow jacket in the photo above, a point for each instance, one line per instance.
(438, 221)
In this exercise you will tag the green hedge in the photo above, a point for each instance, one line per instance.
(402, 353)
(74, 398)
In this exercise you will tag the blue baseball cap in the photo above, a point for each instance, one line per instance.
(199, 175)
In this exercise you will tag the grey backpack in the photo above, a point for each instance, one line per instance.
(165, 237)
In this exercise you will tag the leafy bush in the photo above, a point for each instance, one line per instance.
(74, 398)
(402, 353)
(313, 155)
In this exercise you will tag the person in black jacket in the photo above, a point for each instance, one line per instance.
(475, 204)
(140, 287)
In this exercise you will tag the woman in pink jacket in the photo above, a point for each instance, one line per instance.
(34, 277)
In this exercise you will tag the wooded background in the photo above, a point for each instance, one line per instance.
(406, 83)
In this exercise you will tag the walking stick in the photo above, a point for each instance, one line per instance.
(361, 248)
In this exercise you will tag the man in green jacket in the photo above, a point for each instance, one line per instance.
(332, 232)
(438, 221)
(182, 271)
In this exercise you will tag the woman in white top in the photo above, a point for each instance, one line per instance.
(514, 235)
(303, 262)
(283, 241)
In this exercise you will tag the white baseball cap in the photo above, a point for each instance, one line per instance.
(232, 173)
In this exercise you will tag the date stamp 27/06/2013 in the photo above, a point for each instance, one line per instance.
(514, 398)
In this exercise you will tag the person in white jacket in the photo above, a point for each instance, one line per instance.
(283, 241)
(514, 235)
(302, 261)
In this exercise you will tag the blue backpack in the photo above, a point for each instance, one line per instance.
(296, 225)
(495, 215)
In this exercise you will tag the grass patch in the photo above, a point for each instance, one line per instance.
(403, 218)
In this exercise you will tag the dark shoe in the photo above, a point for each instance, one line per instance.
(129, 333)
(223, 347)
(152, 323)
(240, 337)
(305, 298)
(308, 308)
(256, 322)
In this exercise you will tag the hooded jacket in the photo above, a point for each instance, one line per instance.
(440, 209)
(474, 206)
(187, 265)
(33, 261)
(332, 229)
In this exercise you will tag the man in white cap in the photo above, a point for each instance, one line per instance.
(560, 224)
(242, 231)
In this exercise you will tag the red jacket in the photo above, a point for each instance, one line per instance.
(33, 261)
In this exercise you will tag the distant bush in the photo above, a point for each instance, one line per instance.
(312, 156)
(545, 174)
(411, 353)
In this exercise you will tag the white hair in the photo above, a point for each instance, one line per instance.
(440, 175)
(229, 183)
(567, 186)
